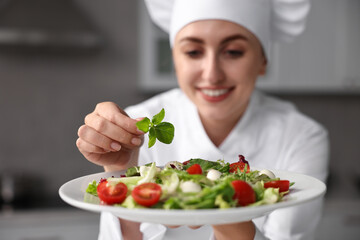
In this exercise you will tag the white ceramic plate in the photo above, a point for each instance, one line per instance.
(306, 188)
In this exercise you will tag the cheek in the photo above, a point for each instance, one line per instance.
(186, 72)
(246, 71)
(240, 74)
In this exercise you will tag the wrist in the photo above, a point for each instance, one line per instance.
(128, 159)
(243, 231)
(130, 230)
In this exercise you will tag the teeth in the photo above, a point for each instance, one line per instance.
(214, 92)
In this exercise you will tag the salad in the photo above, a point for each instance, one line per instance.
(193, 184)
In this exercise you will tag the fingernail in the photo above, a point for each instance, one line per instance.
(139, 119)
(136, 141)
(115, 146)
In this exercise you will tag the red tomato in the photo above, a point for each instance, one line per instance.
(283, 185)
(147, 194)
(238, 165)
(244, 194)
(113, 193)
(194, 169)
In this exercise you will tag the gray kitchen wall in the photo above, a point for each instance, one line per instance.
(45, 97)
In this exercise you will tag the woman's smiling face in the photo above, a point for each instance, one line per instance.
(217, 63)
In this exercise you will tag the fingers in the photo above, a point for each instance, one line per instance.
(176, 226)
(86, 147)
(172, 226)
(93, 140)
(99, 156)
(194, 227)
(116, 115)
(109, 137)
(112, 134)
(109, 128)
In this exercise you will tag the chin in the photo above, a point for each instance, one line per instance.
(214, 113)
(222, 112)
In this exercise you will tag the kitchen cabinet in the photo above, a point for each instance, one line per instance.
(324, 59)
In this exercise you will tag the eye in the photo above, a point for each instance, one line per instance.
(193, 53)
(234, 53)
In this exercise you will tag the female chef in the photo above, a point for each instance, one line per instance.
(220, 48)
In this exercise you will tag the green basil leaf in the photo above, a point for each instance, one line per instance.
(165, 132)
(143, 125)
(158, 117)
(152, 137)
(162, 131)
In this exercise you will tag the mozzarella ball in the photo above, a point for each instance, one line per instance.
(269, 173)
(213, 174)
(190, 186)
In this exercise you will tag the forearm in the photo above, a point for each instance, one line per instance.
(242, 231)
(130, 230)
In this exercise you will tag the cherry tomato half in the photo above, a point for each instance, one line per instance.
(194, 169)
(111, 194)
(244, 194)
(147, 194)
(282, 185)
(238, 165)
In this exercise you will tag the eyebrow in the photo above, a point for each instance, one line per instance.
(235, 37)
(226, 40)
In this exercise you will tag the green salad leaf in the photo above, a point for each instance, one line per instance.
(208, 197)
(205, 165)
(204, 193)
(92, 188)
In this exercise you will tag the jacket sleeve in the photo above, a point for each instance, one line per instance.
(109, 227)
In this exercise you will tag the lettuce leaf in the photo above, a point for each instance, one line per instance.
(207, 198)
(206, 165)
(92, 188)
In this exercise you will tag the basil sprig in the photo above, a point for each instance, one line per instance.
(162, 131)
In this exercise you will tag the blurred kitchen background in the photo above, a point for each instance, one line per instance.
(59, 58)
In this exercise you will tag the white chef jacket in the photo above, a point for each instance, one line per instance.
(272, 134)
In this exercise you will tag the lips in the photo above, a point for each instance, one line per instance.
(215, 95)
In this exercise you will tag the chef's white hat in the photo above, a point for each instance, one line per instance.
(268, 20)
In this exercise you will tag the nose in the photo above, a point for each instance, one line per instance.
(212, 71)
